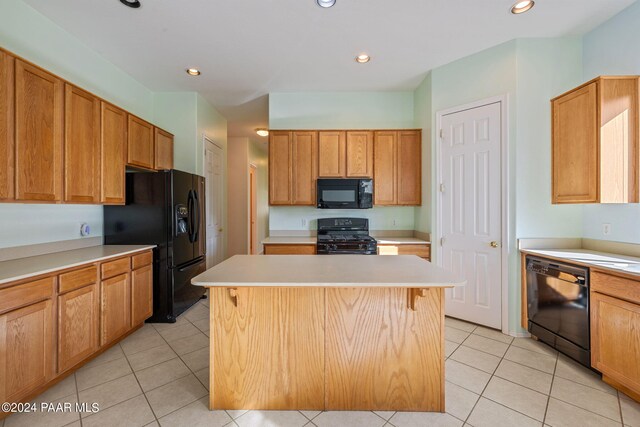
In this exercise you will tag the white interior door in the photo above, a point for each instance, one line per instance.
(471, 220)
(213, 172)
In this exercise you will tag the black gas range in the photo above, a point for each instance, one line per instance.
(345, 236)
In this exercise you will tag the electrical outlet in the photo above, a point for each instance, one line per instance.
(606, 229)
(304, 222)
(394, 222)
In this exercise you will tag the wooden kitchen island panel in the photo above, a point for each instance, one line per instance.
(380, 354)
(267, 348)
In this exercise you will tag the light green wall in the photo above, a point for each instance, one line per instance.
(176, 112)
(259, 157)
(341, 110)
(423, 117)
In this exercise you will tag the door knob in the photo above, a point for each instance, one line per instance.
(219, 230)
(494, 244)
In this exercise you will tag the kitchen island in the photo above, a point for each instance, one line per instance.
(309, 332)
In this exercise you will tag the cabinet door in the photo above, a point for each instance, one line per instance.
(39, 134)
(140, 150)
(26, 350)
(115, 307)
(359, 154)
(331, 154)
(615, 339)
(280, 168)
(78, 319)
(6, 126)
(384, 168)
(81, 146)
(163, 150)
(303, 162)
(409, 168)
(141, 294)
(113, 143)
(575, 147)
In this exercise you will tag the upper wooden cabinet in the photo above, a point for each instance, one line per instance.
(332, 153)
(113, 150)
(280, 168)
(140, 150)
(595, 142)
(409, 169)
(81, 146)
(39, 126)
(163, 159)
(7, 64)
(384, 168)
(359, 154)
(304, 173)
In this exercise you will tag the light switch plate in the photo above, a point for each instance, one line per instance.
(606, 229)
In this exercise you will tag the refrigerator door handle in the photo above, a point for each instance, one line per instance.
(197, 216)
(192, 264)
(190, 205)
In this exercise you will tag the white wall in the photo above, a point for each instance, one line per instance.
(341, 110)
(613, 48)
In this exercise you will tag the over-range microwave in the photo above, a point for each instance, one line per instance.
(345, 193)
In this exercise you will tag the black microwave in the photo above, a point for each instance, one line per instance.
(345, 193)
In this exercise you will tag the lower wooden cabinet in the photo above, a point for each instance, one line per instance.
(116, 307)
(78, 320)
(289, 249)
(141, 294)
(421, 250)
(26, 350)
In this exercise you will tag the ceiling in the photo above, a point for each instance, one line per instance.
(249, 48)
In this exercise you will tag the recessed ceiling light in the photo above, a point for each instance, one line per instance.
(363, 58)
(262, 132)
(522, 6)
(193, 71)
(326, 3)
(131, 3)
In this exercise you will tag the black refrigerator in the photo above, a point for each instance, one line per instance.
(166, 209)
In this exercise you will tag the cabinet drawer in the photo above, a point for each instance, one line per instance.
(26, 293)
(140, 260)
(77, 278)
(423, 251)
(289, 249)
(615, 286)
(114, 268)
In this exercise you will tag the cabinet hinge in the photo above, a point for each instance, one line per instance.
(442, 188)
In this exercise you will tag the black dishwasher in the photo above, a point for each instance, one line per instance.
(558, 306)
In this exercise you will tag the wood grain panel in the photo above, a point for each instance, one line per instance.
(140, 147)
(575, 154)
(618, 140)
(26, 293)
(78, 320)
(381, 355)
(359, 154)
(163, 150)
(384, 168)
(423, 251)
(280, 173)
(524, 308)
(77, 278)
(141, 294)
(115, 310)
(26, 350)
(81, 146)
(140, 260)
(615, 339)
(268, 351)
(304, 167)
(113, 152)
(615, 286)
(332, 154)
(116, 267)
(409, 168)
(39, 109)
(7, 117)
(289, 249)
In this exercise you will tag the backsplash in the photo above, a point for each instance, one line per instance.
(305, 217)
(28, 224)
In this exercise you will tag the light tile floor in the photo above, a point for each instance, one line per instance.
(159, 376)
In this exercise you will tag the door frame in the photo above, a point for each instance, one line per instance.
(206, 139)
(505, 199)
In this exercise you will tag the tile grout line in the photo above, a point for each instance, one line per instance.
(141, 389)
(75, 380)
(620, 407)
(553, 378)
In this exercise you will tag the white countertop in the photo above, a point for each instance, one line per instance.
(311, 240)
(23, 268)
(588, 258)
(327, 271)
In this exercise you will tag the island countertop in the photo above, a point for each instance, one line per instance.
(327, 271)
